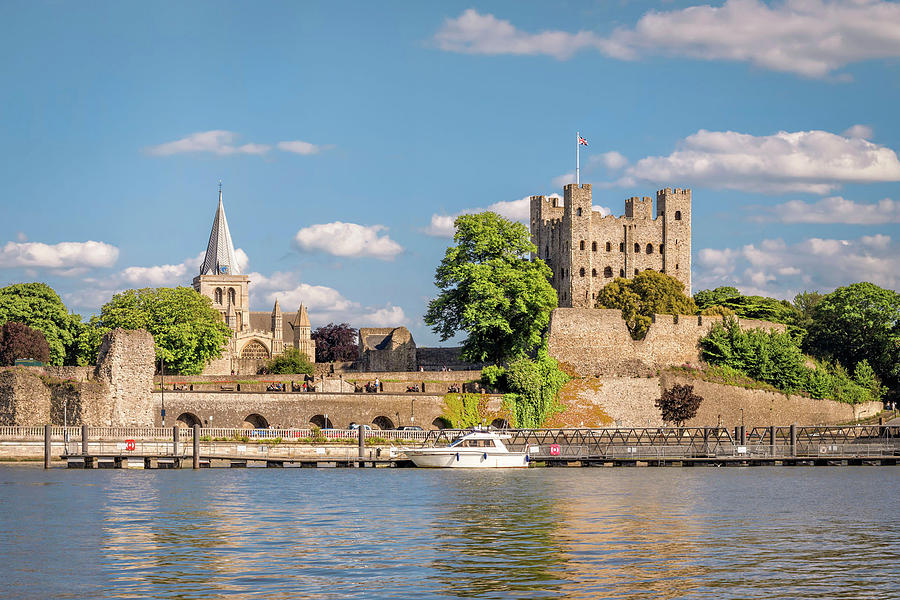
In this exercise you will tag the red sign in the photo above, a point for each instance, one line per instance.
(554, 450)
(129, 444)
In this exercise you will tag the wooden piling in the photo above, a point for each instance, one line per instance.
(196, 446)
(46, 446)
(175, 440)
(793, 439)
(772, 438)
(84, 439)
(362, 445)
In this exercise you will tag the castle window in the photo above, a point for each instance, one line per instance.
(637, 248)
(594, 246)
(677, 215)
(577, 212)
(581, 272)
(607, 272)
(231, 296)
(218, 295)
(547, 251)
(676, 266)
(621, 246)
(649, 248)
(621, 272)
(593, 272)
(635, 272)
(581, 246)
(608, 247)
(555, 205)
(662, 248)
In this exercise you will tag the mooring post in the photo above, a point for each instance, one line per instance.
(743, 436)
(793, 439)
(46, 446)
(84, 439)
(174, 440)
(772, 438)
(196, 446)
(362, 444)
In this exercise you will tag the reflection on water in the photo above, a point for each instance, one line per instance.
(574, 533)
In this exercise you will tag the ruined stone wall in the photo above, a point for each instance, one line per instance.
(24, 399)
(597, 342)
(125, 363)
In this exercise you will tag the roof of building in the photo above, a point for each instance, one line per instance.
(220, 257)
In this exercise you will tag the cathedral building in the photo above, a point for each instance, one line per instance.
(257, 336)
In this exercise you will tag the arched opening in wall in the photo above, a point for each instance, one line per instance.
(677, 215)
(637, 247)
(621, 272)
(383, 423)
(593, 272)
(231, 296)
(581, 245)
(255, 349)
(441, 423)
(649, 248)
(607, 272)
(555, 203)
(218, 295)
(577, 212)
(662, 248)
(500, 424)
(676, 266)
(636, 272)
(255, 421)
(621, 246)
(608, 247)
(321, 422)
(581, 272)
(189, 419)
(593, 246)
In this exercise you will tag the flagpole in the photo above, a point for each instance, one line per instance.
(577, 158)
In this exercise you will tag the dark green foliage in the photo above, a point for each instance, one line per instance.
(747, 307)
(336, 343)
(649, 293)
(531, 387)
(678, 404)
(39, 307)
(21, 341)
(860, 321)
(291, 362)
(187, 330)
(490, 289)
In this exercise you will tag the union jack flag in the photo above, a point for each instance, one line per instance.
(582, 141)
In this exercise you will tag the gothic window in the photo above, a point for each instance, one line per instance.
(677, 215)
(607, 272)
(649, 248)
(581, 273)
(621, 246)
(593, 272)
(594, 246)
(231, 296)
(218, 295)
(254, 349)
(577, 212)
(621, 272)
(637, 248)
(581, 246)
(608, 247)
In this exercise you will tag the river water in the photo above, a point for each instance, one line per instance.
(800, 532)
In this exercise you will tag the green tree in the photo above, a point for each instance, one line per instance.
(678, 404)
(531, 387)
(490, 289)
(747, 307)
(21, 341)
(649, 293)
(706, 298)
(291, 362)
(856, 322)
(187, 330)
(39, 307)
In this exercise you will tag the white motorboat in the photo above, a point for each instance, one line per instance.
(479, 448)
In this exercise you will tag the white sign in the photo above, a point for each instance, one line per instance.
(320, 450)
(242, 448)
(535, 449)
(120, 446)
(742, 449)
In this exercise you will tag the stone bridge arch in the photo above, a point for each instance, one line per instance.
(321, 421)
(440, 423)
(189, 419)
(382, 422)
(255, 421)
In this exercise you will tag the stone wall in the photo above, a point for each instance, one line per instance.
(24, 399)
(596, 341)
(125, 363)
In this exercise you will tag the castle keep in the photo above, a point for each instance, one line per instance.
(586, 250)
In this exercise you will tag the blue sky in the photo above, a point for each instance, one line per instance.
(346, 134)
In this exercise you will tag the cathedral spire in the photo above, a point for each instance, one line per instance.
(220, 258)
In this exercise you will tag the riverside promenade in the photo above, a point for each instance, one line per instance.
(156, 447)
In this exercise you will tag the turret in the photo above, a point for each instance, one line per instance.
(674, 206)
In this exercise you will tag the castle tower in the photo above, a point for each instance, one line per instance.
(220, 277)
(575, 290)
(277, 330)
(674, 206)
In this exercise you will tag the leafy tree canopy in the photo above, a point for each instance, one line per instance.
(490, 289)
(678, 404)
(39, 307)
(336, 343)
(21, 341)
(187, 330)
(531, 387)
(747, 307)
(649, 293)
(291, 362)
(856, 322)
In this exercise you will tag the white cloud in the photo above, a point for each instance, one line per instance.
(325, 304)
(388, 316)
(836, 210)
(859, 131)
(64, 256)
(776, 268)
(514, 210)
(612, 160)
(348, 239)
(801, 161)
(21, 236)
(219, 142)
(441, 226)
(298, 147)
(812, 38)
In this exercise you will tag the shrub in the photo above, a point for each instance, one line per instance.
(678, 404)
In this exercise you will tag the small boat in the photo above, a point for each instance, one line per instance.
(479, 448)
